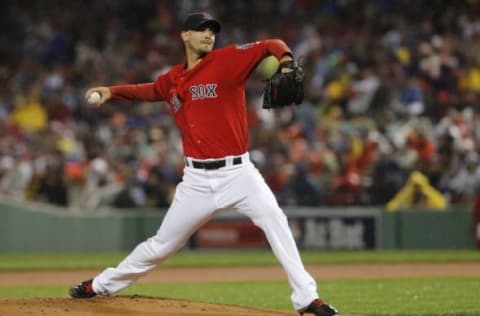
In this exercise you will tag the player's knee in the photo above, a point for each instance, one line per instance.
(269, 215)
(273, 211)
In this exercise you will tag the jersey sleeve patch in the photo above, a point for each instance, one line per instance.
(246, 45)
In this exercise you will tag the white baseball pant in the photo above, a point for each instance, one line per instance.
(197, 198)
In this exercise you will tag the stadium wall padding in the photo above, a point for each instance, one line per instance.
(431, 229)
(27, 227)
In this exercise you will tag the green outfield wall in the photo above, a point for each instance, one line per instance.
(428, 229)
(40, 228)
(27, 227)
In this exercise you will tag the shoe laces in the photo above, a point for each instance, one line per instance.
(87, 287)
(318, 302)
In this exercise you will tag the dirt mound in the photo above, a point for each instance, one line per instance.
(125, 305)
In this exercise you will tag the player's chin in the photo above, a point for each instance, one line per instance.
(206, 48)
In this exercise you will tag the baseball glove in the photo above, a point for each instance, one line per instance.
(284, 88)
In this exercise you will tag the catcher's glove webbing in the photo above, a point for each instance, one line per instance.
(284, 88)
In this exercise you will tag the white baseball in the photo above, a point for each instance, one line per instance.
(94, 98)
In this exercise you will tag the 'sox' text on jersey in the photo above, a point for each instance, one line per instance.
(203, 91)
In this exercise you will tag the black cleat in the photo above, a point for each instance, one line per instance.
(82, 290)
(319, 308)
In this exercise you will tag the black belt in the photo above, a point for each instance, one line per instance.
(212, 164)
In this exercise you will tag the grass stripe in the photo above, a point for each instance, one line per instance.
(230, 258)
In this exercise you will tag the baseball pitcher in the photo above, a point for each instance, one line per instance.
(206, 96)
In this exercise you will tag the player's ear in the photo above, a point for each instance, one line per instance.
(185, 35)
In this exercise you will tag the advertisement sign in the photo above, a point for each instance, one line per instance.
(346, 229)
(240, 233)
(336, 233)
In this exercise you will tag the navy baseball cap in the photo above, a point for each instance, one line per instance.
(198, 20)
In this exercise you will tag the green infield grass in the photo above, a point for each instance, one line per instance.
(415, 297)
(230, 258)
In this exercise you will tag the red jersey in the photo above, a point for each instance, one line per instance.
(208, 101)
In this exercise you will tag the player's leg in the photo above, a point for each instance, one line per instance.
(258, 202)
(190, 209)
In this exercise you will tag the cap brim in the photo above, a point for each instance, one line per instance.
(216, 27)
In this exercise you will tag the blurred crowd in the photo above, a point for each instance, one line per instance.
(392, 88)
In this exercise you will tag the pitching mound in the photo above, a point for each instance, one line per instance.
(125, 305)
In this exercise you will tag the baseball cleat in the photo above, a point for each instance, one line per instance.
(319, 308)
(83, 290)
